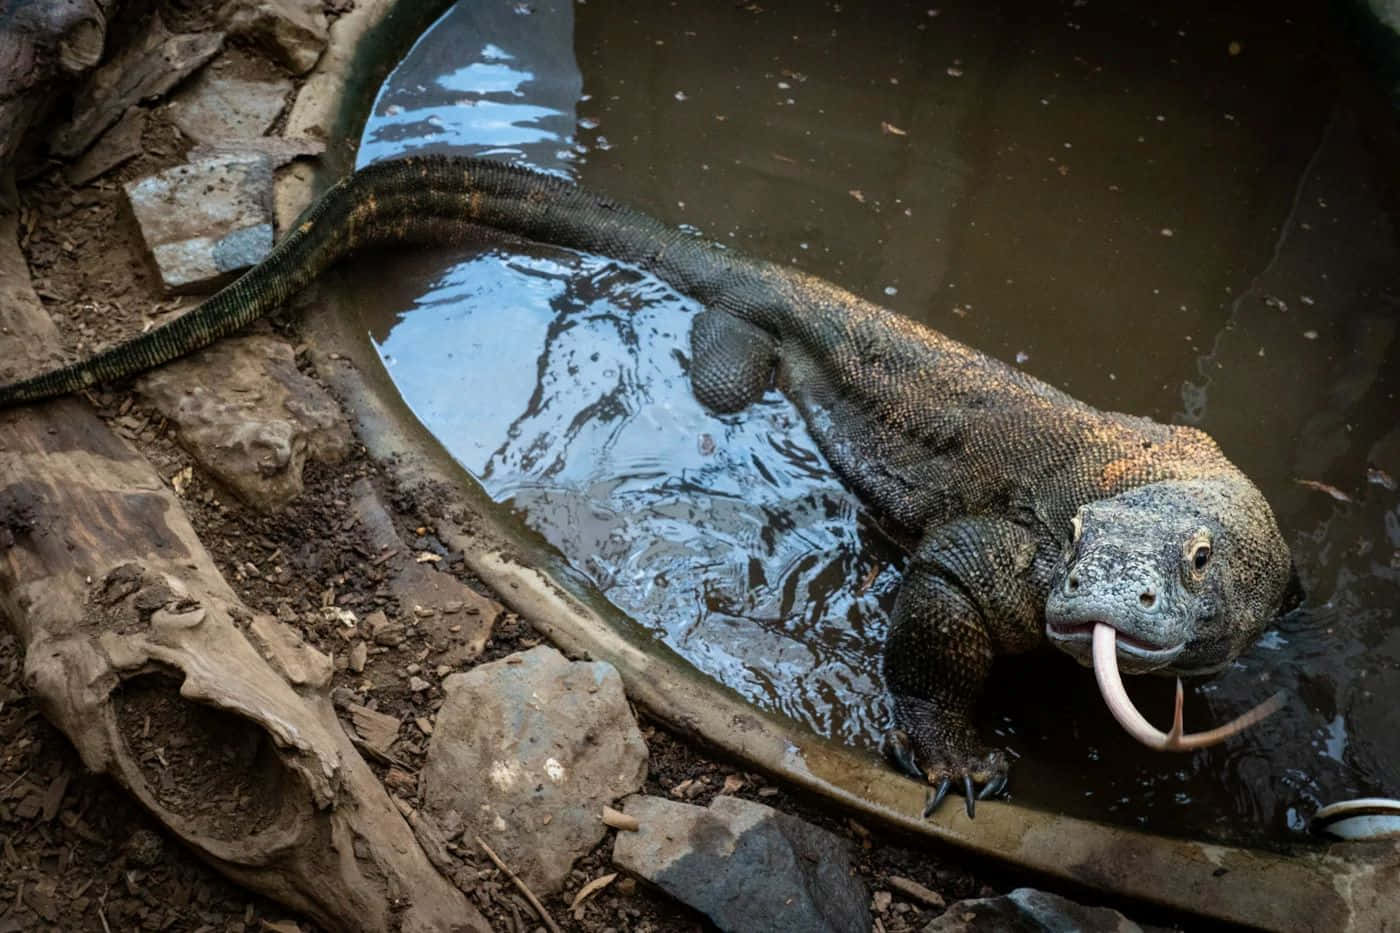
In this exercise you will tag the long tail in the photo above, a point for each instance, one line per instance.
(428, 199)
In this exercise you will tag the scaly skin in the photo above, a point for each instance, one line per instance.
(1035, 514)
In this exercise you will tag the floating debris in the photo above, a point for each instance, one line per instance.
(1362, 818)
(1332, 491)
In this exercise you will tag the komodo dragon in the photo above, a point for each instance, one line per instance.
(1122, 541)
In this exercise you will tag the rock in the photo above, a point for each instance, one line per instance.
(384, 632)
(292, 32)
(528, 753)
(144, 848)
(746, 866)
(119, 144)
(279, 150)
(237, 96)
(1026, 910)
(142, 71)
(205, 220)
(249, 416)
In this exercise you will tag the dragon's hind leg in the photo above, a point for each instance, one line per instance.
(731, 361)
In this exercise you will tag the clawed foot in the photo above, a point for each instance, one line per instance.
(978, 773)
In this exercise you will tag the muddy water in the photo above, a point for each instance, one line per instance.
(1191, 217)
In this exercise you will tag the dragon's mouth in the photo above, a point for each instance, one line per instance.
(1115, 697)
(1129, 646)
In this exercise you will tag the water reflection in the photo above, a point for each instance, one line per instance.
(729, 536)
(465, 85)
(1118, 201)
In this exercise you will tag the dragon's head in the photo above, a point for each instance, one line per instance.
(1185, 573)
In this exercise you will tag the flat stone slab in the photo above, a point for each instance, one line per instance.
(525, 753)
(747, 867)
(235, 96)
(278, 150)
(205, 220)
(1026, 910)
(249, 416)
(292, 32)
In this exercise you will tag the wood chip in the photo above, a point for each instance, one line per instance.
(869, 579)
(917, 891)
(53, 797)
(590, 889)
(620, 821)
(377, 729)
(359, 655)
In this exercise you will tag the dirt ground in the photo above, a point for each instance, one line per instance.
(77, 854)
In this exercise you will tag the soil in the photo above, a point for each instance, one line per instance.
(77, 854)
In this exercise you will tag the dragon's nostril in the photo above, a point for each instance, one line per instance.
(1073, 581)
(1148, 598)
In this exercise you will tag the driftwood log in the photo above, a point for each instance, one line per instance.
(42, 42)
(216, 719)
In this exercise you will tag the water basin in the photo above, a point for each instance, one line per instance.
(1191, 218)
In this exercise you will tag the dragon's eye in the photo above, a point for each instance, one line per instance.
(1200, 557)
(1196, 553)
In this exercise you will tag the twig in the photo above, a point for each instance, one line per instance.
(524, 888)
(22, 775)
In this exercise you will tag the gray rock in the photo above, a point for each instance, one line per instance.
(292, 32)
(206, 220)
(249, 416)
(142, 71)
(118, 145)
(237, 96)
(747, 867)
(279, 150)
(525, 753)
(1026, 910)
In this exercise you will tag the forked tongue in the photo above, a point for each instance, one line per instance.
(1123, 710)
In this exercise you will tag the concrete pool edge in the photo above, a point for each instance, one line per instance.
(1337, 888)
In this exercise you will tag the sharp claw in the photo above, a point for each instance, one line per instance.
(930, 804)
(900, 751)
(938, 795)
(969, 796)
(992, 787)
